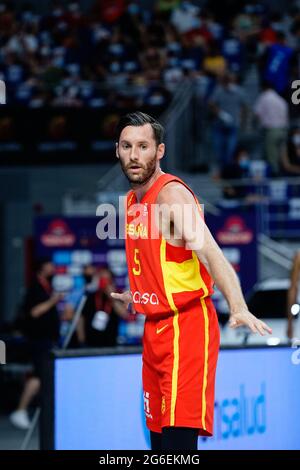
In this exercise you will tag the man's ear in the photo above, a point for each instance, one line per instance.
(117, 150)
(160, 151)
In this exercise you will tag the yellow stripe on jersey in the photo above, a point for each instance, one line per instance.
(205, 370)
(181, 277)
(168, 289)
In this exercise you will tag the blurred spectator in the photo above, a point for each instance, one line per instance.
(109, 11)
(243, 171)
(233, 51)
(185, 18)
(214, 63)
(228, 104)
(236, 170)
(190, 57)
(165, 7)
(277, 65)
(41, 326)
(272, 112)
(101, 314)
(290, 157)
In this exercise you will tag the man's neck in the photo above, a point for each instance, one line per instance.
(141, 190)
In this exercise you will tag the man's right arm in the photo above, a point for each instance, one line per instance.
(43, 307)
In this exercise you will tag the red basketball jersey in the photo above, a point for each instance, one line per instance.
(163, 278)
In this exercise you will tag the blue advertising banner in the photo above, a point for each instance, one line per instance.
(72, 243)
(236, 234)
(257, 402)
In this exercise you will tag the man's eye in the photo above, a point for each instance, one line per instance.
(144, 147)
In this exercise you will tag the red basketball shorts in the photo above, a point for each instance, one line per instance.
(180, 355)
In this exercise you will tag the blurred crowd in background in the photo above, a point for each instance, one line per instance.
(127, 55)
(119, 51)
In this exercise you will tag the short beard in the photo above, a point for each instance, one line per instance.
(147, 172)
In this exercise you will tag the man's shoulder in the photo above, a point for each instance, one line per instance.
(173, 191)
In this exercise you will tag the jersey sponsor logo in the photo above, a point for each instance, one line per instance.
(145, 298)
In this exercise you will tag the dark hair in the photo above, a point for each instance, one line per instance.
(140, 119)
(280, 36)
(266, 85)
(40, 262)
(239, 149)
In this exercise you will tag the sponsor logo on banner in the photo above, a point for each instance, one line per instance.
(58, 234)
(235, 231)
(243, 414)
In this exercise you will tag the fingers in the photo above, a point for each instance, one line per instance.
(253, 323)
(267, 328)
(259, 328)
(233, 323)
(253, 327)
(116, 295)
(124, 298)
(262, 328)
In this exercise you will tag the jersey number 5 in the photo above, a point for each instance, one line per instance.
(137, 269)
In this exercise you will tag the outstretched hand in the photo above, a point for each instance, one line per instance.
(244, 317)
(124, 297)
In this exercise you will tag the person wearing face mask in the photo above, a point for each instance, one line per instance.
(229, 109)
(290, 158)
(236, 170)
(99, 322)
(41, 326)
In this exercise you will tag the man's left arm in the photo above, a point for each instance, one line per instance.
(198, 238)
(228, 283)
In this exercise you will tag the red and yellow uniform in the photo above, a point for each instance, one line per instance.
(172, 289)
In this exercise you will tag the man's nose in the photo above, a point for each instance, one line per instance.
(134, 154)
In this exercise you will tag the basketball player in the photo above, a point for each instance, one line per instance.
(171, 267)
